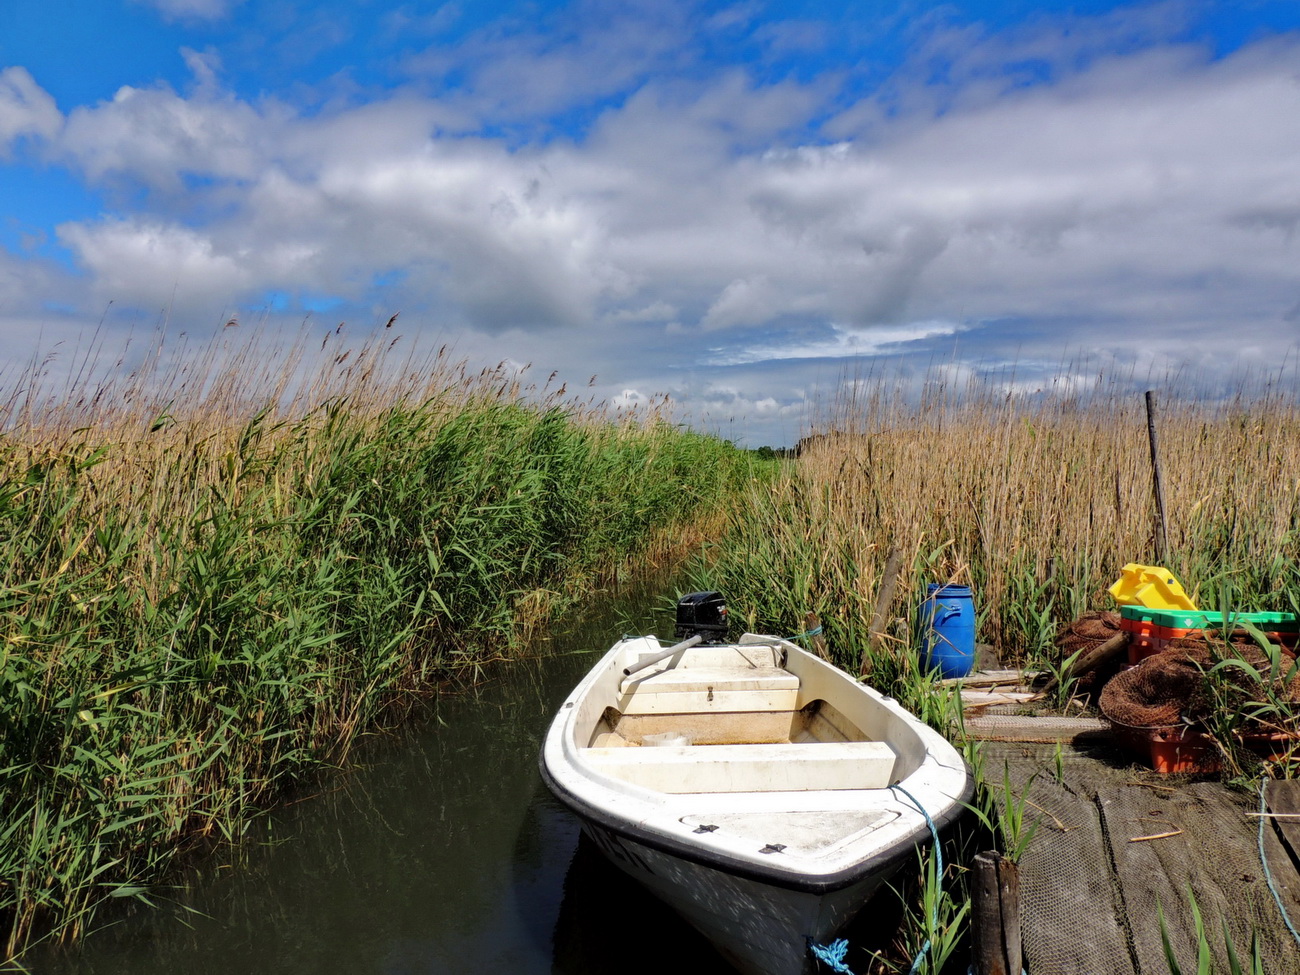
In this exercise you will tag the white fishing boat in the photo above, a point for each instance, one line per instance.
(759, 791)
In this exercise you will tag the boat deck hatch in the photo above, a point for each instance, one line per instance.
(805, 832)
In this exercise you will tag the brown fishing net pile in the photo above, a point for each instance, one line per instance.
(1084, 634)
(1169, 687)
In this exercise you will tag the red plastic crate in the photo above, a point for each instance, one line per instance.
(1179, 748)
(1171, 749)
(1147, 639)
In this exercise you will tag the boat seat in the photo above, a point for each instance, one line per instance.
(794, 767)
(690, 690)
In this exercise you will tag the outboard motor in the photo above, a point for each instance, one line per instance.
(702, 614)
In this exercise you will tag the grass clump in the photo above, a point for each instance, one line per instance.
(216, 575)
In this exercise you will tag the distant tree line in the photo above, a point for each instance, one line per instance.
(775, 453)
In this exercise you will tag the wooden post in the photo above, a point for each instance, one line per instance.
(880, 615)
(1092, 659)
(814, 626)
(995, 916)
(1162, 533)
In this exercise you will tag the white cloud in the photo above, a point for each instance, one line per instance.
(841, 343)
(25, 108)
(1144, 204)
(1112, 188)
(192, 9)
(159, 265)
(156, 137)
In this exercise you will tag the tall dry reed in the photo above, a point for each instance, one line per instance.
(1037, 502)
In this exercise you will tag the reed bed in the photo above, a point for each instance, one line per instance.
(1036, 502)
(222, 565)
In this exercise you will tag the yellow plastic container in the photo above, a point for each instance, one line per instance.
(1150, 586)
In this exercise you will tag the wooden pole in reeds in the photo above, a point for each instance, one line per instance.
(884, 599)
(1162, 531)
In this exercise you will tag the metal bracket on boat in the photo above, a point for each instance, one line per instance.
(651, 661)
(773, 848)
(705, 828)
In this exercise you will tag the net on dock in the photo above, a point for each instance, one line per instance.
(1111, 842)
(1170, 687)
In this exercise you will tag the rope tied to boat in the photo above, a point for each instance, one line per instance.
(832, 955)
(815, 631)
(938, 854)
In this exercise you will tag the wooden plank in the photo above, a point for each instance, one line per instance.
(1284, 798)
(986, 678)
(1111, 843)
(1281, 864)
(1212, 853)
(982, 699)
(1282, 844)
(1046, 729)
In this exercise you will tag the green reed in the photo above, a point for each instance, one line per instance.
(199, 613)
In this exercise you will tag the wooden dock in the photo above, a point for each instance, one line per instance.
(1113, 841)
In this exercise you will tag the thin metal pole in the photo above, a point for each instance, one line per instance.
(651, 661)
(1162, 531)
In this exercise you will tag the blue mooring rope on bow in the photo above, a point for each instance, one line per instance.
(807, 633)
(938, 854)
(833, 954)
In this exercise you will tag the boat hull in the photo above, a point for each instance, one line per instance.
(759, 792)
(760, 928)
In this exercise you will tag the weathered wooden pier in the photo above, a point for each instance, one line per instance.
(1117, 846)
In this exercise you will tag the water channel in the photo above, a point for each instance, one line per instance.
(443, 853)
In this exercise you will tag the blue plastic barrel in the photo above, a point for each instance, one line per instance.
(948, 630)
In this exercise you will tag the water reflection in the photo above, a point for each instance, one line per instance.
(608, 924)
(444, 854)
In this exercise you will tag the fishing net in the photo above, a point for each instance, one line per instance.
(1112, 839)
(1171, 687)
(1082, 635)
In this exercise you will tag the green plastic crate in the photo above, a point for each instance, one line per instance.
(1188, 619)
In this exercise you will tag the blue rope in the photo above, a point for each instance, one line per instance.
(807, 633)
(1268, 874)
(833, 954)
(938, 854)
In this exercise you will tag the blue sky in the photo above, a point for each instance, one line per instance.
(734, 204)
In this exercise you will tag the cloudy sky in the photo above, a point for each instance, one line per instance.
(737, 204)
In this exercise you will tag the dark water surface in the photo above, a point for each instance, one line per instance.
(444, 853)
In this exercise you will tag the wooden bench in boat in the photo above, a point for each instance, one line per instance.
(781, 767)
(696, 689)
